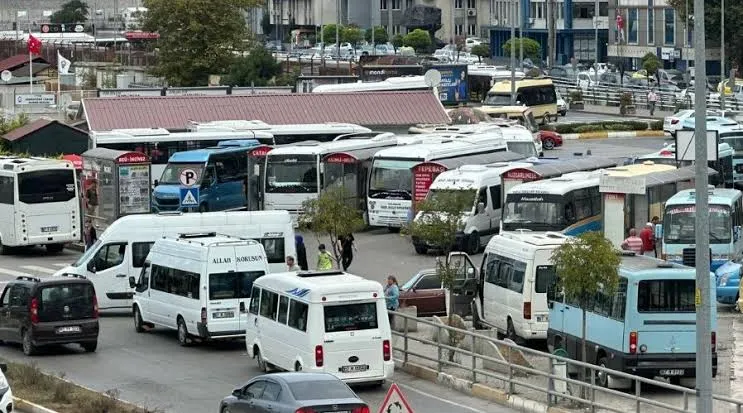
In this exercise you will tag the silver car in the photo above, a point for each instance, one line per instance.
(293, 392)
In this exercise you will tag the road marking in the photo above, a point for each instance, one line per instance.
(39, 269)
(13, 273)
(60, 264)
(442, 400)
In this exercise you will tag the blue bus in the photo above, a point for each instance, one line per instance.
(222, 177)
(646, 328)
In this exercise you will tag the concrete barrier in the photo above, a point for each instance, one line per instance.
(398, 323)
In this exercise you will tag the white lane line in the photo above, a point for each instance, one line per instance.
(13, 273)
(442, 400)
(39, 269)
(60, 265)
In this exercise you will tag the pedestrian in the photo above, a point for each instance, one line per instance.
(301, 253)
(652, 100)
(291, 265)
(392, 295)
(347, 246)
(90, 235)
(648, 240)
(324, 259)
(633, 242)
(656, 237)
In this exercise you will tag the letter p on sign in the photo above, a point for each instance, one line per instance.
(188, 177)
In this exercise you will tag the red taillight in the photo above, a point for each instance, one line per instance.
(319, 356)
(95, 307)
(666, 153)
(633, 342)
(305, 410)
(362, 409)
(674, 121)
(527, 311)
(203, 315)
(386, 350)
(34, 310)
(714, 342)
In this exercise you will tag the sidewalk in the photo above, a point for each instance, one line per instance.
(641, 113)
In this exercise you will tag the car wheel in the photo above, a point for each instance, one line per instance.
(473, 243)
(548, 144)
(203, 208)
(226, 410)
(183, 338)
(89, 346)
(27, 344)
(262, 366)
(420, 249)
(138, 322)
(546, 118)
(297, 366)
(511, 331)
(604, 379)
(563, 113)
(4, 250)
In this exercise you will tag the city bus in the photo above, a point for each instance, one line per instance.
(537, 94)
(282, 134)
(518, 138)
(391, 189)
(730, 132)
(39, 203)
(723, 165)
(725, 219)
(222, 174)
(647, 327)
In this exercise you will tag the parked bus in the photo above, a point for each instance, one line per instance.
(406, 83)
(39, 203)
(222, 175)
(282, 134)
(725, 219)
(723, 165)
(647, 327)
(521, 114)
(518, 138)
(391, 189)
(537, 94)
(730, 132)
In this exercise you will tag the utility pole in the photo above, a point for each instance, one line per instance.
(722, 56)
(521, 35)
(596, 34)
(551, 34)
(703, 302)
(513, 50)
(337, 35)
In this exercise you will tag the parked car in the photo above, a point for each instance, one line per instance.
(562, 106)
(426, 292)
(675, 122)
(293, 392)
(59, 310)
(728, 282)
(550, 139)
(6, 400)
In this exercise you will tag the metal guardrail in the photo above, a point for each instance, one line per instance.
(511, 380)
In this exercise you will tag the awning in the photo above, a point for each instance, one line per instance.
(544, 169)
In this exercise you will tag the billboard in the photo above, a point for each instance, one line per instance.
(453, 88)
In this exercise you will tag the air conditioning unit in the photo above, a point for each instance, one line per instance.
(471, 12)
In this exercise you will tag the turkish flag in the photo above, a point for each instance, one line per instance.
(34, 45)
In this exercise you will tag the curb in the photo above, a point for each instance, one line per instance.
(614, 135)
(478, 390)
(643, 117)
(26, 406)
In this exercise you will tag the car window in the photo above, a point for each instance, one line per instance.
(254, 390)
(429, 282)
(18, 295)
(110, 256)
(271, 392)
(6, 297)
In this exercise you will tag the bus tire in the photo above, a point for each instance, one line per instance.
(546, 118)
(203, 208)
(604, 379)
(54, 248)
(4, 250)
(138, 322)
(183, 339)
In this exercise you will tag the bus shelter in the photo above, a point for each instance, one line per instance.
(115, 183)
(348, 170)
(632, 201)
(256, 174)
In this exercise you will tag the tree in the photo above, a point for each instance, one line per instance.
(331, 215)
(418, 39)
(74, 11)
(197, 38)
(532, 48)
(380, 35)
(650, 63)
(255, 69)
(585, 266)
(329, 33)
(397, 41)
(481, 51)
(352, 34)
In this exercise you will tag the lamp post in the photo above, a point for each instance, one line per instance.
(513, 51)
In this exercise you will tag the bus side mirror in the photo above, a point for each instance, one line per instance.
(157, 182)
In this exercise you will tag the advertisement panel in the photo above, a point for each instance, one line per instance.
(453, 88)
(423, 176)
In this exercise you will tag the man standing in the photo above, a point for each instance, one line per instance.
(633, 242)
(348, 247)
(648, 240)
(652, 100)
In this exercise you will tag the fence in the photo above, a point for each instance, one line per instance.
(472, 361)
(82, 52)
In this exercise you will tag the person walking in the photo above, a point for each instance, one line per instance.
(291, 265)
(324, 259)
(301, 253)
(347, 246)
(648, 240)
(392, 295)
(91, 236)
(652, 101)
(633, 242)
(656, 237)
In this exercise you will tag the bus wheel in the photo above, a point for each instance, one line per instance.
(604, 379)
(54, 248)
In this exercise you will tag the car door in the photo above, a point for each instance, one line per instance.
(19, 304)
(428, 295)
(143, 291)
(495, 209)
(268, 402)
(247, 401)
(5, 314)
(108, 271)
(464, 285)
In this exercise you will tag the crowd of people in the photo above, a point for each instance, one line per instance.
(644, 241)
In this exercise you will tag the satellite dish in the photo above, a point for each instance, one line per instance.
(6, 75)
(432, 77)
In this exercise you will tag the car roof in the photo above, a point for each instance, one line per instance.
(37, 281)
(297, 377)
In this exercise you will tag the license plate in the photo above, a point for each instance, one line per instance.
(354, 369)
(223, 314)
(66, 330)
(672, 372)
(49, 229)
(543, 318)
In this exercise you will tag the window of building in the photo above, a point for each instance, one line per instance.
(471, 30)
(408, 4)
(382, 4)
(471, 4)
(603, 9)
(583, 10)
(632, 25)
(396, 29)
(651, 23)
(541, 12)
(458, 30)
(396, 4)
(669, 37)
(458, 4)
(533, 11)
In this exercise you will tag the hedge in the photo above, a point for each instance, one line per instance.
(612, 126)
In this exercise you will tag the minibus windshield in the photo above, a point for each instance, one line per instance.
(88, 254)
(350, 317)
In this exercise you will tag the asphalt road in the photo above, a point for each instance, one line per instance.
(151, 369)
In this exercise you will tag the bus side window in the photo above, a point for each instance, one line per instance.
(255, 298)
(7, 190)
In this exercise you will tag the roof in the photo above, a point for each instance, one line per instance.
(560, 184)
(312, 285)
(175, 112)
(351, 146)
(446, 148)
(551, 169)
(469, 176)
(202, 155)
(36, 126)
(716, 196)
(649, 268)
(14, 62)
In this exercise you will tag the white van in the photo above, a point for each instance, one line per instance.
(199, 285)
(483, 221)
(521, 141)
(329, 321)
(511, 294)
(122, 248)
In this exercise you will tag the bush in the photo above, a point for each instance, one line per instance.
(656, 125)
(622, 127)
(576, 96)
(587, 128)
(583, 127)
(625, 99)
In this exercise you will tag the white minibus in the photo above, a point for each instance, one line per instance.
(511, 292)
(122, 248)
(329, 321)
(199, 285)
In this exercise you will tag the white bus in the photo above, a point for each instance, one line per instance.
(518, 138)
(329, 321)
(390, 191)
(392, 83)
(159, 144)
(282, 134)
(39, 203)
(198, 285)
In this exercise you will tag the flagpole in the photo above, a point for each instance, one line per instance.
(59, 82)
(30, 66)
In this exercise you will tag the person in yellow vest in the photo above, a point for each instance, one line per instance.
(324, 259)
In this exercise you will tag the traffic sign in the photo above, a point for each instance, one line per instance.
(189, 197)
(395, 402)
(188, 177)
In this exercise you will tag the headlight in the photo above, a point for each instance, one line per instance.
(723, 280)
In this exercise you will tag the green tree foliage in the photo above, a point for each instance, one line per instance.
(332, 214)
(397, 41)
(532, 48)
(418, 39)
(352, 34)
(651, 64)
(481, 51)
(257, 68)
(380, 35)
(329, 33)
(74, 11)
(197, 38)
(584, 266)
